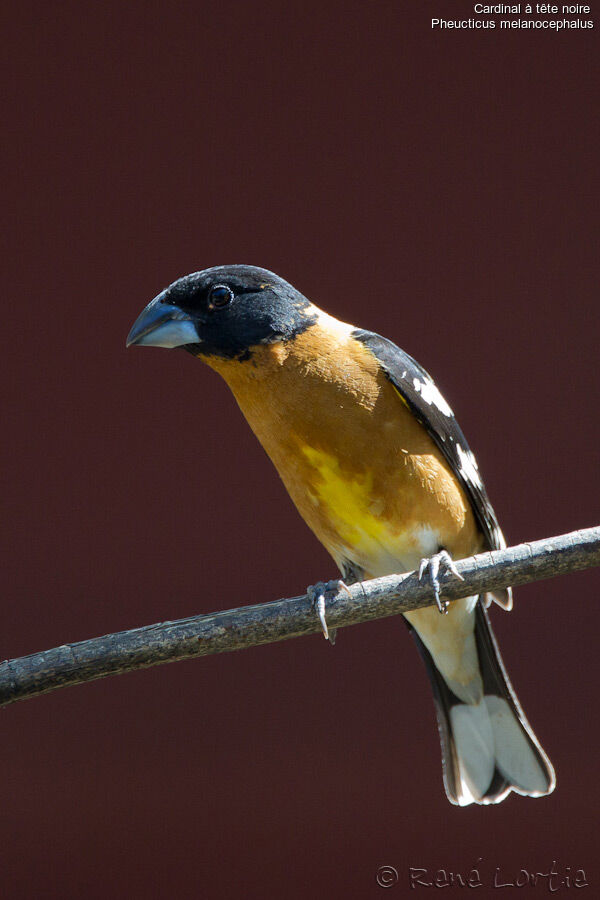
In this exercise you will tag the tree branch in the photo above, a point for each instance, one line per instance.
(249, 626)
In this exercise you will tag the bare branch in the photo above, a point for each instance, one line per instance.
(249, 626)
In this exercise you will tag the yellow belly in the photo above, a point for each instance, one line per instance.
(360, 518)
(363, 473)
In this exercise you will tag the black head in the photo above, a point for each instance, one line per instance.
(224, 311)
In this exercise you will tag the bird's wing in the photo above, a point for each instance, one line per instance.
(418, 390)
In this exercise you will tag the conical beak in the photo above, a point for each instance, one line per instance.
(162, 325)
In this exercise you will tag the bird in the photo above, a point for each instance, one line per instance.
(376, 464)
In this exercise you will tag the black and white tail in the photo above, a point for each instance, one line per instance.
(488, 747)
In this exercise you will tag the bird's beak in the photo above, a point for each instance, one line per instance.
(163, 325)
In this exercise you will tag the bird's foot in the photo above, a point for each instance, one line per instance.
(317, 594)
(441, 560)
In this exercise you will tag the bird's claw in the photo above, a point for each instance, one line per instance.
(316, 593)
(439, 560)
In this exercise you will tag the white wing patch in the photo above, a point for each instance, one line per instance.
(433, 412)
(432, 396)
(468, 466)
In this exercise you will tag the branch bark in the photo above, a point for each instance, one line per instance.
(249, 626)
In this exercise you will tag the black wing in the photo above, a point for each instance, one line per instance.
(419, 392)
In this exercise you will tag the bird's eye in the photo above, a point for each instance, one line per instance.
(219, 295)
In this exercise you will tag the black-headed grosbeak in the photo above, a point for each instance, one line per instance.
(377, 466)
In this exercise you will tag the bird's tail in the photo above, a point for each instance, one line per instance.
(488, 748)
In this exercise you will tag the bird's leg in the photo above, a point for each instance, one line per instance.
(316, 593)
(439, 560)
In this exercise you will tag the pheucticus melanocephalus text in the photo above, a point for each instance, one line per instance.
(378, 468)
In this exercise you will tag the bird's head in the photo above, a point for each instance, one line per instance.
(223, 312)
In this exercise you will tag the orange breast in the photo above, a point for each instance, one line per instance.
(364, 475)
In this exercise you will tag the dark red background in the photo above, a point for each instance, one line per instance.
(440, 188)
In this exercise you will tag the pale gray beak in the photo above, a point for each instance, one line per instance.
(162, 325)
